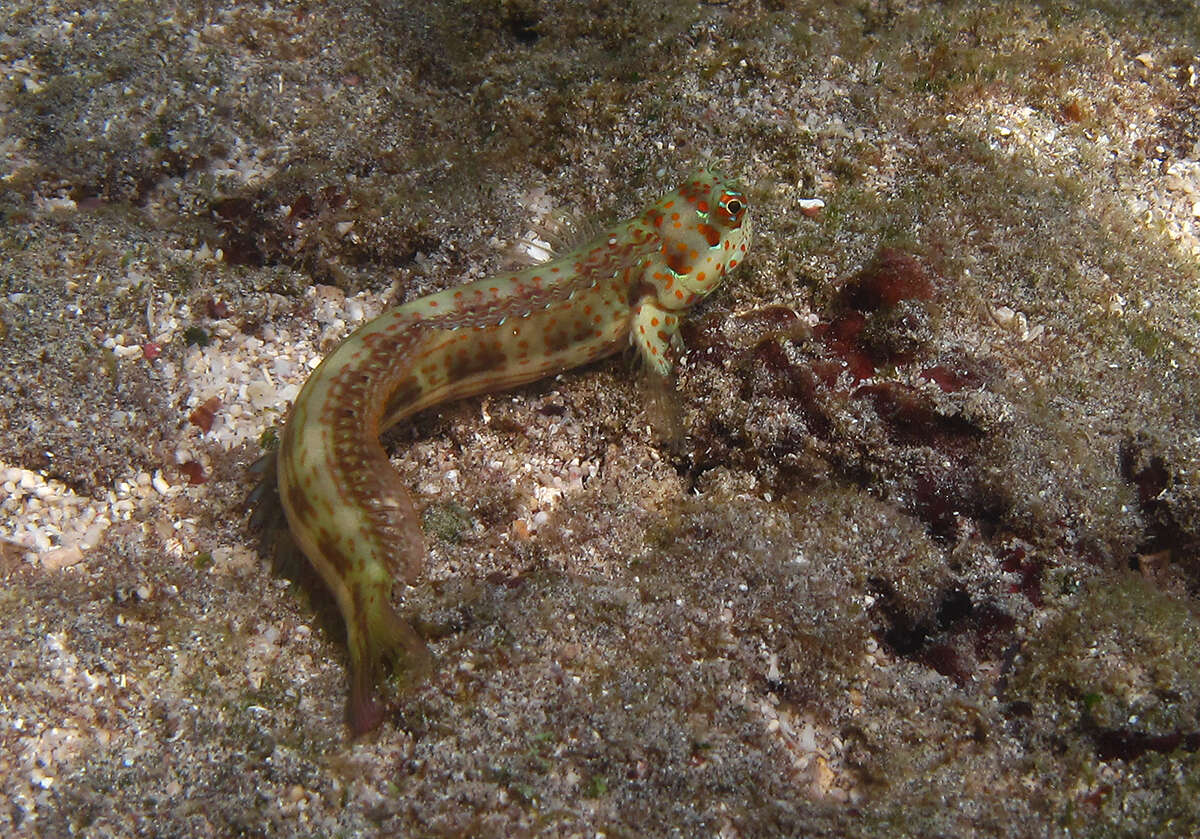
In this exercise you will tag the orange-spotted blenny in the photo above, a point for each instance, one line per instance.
(346, 506)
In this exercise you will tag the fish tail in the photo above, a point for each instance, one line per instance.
(380, 640)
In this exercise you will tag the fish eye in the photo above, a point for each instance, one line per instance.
(732, 205)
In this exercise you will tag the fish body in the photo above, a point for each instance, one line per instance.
(346, 506)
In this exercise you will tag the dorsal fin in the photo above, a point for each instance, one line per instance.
(551, 236)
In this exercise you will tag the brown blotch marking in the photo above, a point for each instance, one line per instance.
(407, 392)
(556, 342)
(487, 357)
(328, 547)
(710, 234)
(641, 289)
(299, 502)
(678, 262)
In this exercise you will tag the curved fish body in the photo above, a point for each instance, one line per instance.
(346, 506)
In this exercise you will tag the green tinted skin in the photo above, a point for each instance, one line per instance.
(346, 506)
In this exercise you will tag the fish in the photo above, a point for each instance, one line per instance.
(347, 508)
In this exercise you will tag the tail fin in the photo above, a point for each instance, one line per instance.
(379, 637)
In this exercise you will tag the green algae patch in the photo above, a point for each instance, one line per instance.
(1126, 658)
(450, 522)
(1115, 680)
